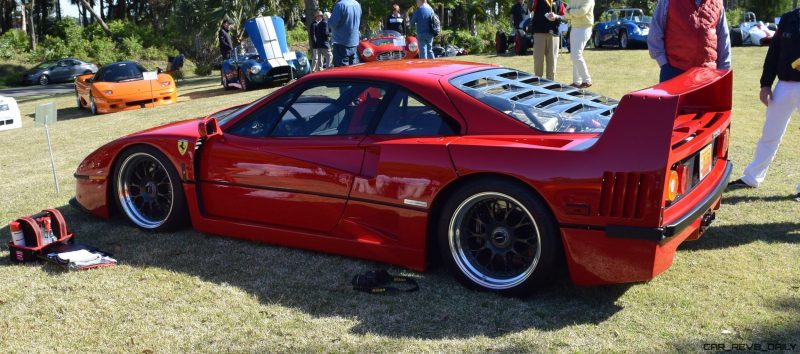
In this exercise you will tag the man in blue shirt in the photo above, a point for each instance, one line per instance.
(422, 22)
(344, 22)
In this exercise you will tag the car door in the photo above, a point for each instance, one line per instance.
(406, 158)
(60, 72)
(291, 162)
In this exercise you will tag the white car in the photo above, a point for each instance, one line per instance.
(9, 114)
(751, 32)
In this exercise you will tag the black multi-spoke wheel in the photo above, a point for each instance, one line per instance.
(499, 236)
(148, 190)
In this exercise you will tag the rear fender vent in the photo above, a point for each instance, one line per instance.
(624, 194)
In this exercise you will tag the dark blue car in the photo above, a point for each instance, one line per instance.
(622, 28)
(264, 57)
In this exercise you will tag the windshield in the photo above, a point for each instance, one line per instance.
(226, 115)
(247, 48)
(541, 104)
(121, 72)
(634, 15)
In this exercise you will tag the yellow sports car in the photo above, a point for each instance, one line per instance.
(123, 86)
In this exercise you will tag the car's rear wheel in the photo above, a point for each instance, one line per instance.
(92, 105)
(243, 82)
(44, 80)
(148, 190)
(225, 84)
(623, 39)
(499, 236)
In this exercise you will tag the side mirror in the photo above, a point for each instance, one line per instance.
(159, 70)
(208, 128)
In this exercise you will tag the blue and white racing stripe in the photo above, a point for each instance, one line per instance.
(268, 35)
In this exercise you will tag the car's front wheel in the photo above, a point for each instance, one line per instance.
(44, 80)
(148, 190)
(596, 40)
(498, 235)
(78, 100)
(243, 82)
(623, 39)
(92, 105)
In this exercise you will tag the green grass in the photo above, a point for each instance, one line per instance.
(190, 292)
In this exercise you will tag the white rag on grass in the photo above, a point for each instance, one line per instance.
(82, 259)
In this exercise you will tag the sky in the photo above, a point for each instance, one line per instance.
(68, 9)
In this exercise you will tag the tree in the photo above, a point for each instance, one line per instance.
(88, 7)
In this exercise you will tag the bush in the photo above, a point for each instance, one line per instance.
(132, 46)
(297, 37)
(12, 43)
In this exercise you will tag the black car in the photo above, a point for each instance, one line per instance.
(62, 70)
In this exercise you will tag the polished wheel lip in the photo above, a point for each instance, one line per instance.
(44, 80)
(126, 201)
(92, 105)
(623, 40)
(462, 260)
(78, 99)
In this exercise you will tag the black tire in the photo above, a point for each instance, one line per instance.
(736, 37)
(224, 80)
(44, 80)
(596, 40)
(526, 238)
(500, 42)
(243, 82)
(148, 190)
(92, 105)
(623, 40)
(78, 100)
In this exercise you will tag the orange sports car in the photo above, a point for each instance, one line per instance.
(123, 86)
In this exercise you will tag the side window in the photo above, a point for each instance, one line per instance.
(331, 109)
(407, 115)
(259, 122)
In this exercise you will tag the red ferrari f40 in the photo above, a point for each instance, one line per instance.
(503, 176)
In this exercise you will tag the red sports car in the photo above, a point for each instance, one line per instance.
(388, 45)
(504, 176)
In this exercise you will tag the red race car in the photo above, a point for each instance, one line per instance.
(502, 175)
(388, 45)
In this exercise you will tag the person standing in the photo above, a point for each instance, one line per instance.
(344, 23)
(689, 33)
(781, 61)
(422, 21)
(225, 42)
(395, 21)
(320, 33)
(546, 15)
(581, 15)
(518, 13)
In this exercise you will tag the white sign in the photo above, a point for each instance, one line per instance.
(150, 75)
(45, 114)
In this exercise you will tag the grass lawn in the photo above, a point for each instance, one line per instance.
(191, 292)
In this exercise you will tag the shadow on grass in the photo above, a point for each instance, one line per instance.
(67, 113)
(747, 199)
(319, 285)
(213, 92)
(724, 236)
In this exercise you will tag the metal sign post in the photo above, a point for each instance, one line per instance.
(46, 114)
(151, 76)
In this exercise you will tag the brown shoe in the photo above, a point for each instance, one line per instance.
(586, 85)
(576, 85)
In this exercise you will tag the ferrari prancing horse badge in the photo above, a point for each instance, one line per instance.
(182, 145)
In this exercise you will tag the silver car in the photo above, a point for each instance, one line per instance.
(61, 70)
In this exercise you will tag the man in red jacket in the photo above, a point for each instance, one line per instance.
(688, 33)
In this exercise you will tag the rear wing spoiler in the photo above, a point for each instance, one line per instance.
(652, 131)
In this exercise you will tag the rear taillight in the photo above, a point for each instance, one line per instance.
(677, 182)
(722, 144)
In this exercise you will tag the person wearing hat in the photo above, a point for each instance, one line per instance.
(225, 42)
(320, 33)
